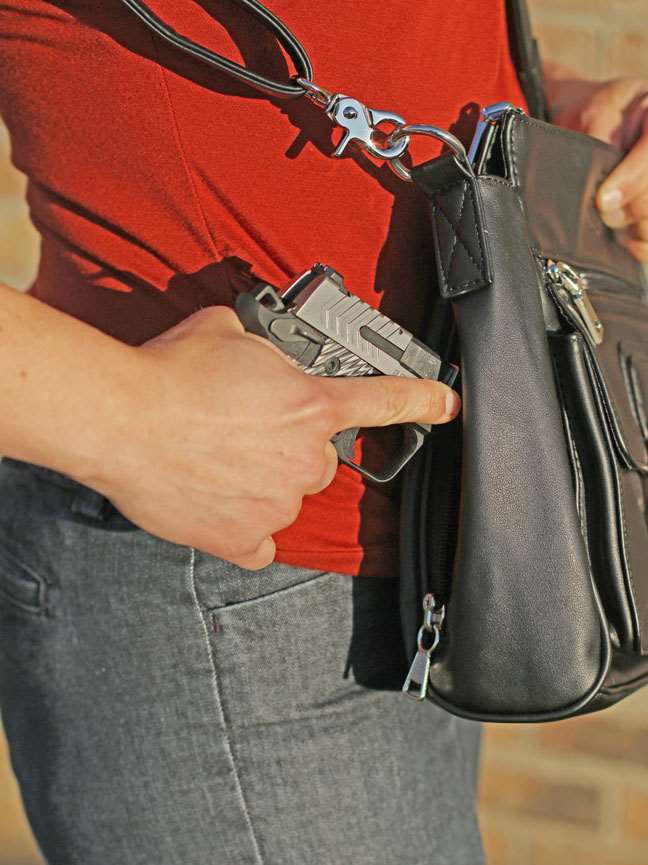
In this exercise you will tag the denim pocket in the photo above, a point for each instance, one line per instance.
(20, 586)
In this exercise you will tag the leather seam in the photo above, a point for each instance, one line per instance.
(601, 405)
(458, 239)
(514, 162)
(624, 529)
(580, 492)
(455, 240)
(635, 394)
(615, 421)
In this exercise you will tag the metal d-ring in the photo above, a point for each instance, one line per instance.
(457, 148)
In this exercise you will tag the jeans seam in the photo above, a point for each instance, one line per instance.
(219, 705)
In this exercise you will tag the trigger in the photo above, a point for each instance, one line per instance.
(344, 442)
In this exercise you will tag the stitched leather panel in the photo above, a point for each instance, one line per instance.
(461, 254)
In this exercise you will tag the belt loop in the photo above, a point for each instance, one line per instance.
(89, 503)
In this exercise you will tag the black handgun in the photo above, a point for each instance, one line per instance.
(328, 331)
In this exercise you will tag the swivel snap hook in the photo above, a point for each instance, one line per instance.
(360, 123)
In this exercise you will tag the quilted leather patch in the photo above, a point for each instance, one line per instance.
(461, 254)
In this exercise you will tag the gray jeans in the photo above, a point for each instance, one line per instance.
(164, 707)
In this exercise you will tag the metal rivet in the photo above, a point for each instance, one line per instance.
(350, 113)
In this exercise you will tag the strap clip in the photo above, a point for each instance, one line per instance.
(359, 122)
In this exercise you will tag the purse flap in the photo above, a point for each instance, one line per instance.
(619, 369)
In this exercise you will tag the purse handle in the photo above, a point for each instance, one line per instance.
(284, 35)
(526, 57)
(524, 49)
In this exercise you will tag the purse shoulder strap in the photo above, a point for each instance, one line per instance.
(285, 36)
(523, 46)
(526, 56)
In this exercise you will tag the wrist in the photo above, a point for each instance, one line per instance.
(67, 390)
(106, 436)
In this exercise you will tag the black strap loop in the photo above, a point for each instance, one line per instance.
(286, 37)
(526, 56)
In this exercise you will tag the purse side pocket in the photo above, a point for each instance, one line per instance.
(603, 389)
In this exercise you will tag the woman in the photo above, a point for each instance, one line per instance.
(189, 675)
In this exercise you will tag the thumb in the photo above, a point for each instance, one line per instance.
(382, 400)
(629, 179)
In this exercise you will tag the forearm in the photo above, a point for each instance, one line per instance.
(65, 387)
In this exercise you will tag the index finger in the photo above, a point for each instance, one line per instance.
(381, 400)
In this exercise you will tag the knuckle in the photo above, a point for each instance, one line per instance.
(330, 467)
(259, 562)
(239, 548)
(216, 318)
(261, 556)
(324, 407)
(322, 470)
(219, 314)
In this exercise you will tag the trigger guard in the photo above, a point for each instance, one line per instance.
(413, 438)
(344, 443)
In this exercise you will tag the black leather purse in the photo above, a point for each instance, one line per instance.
(524, 533)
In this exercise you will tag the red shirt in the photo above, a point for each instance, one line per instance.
(159, 186)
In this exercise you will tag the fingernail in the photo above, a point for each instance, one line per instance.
(614, 218)
(612, 199)
(453, 403)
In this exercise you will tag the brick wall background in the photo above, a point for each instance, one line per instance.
(573, 792)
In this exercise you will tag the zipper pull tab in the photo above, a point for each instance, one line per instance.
(583, 304)
(563, 275)
(415, 685)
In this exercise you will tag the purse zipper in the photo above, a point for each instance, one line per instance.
(427, 640)
(569, 290)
